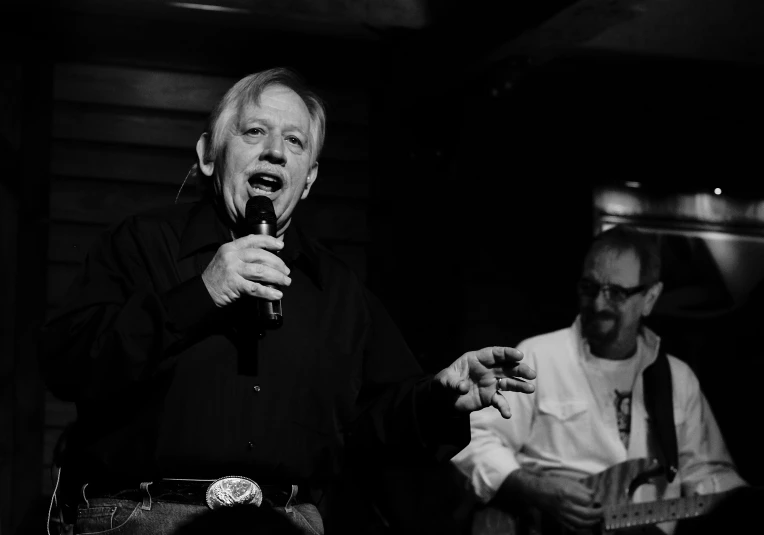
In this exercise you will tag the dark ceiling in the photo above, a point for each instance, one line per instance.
(587, 68)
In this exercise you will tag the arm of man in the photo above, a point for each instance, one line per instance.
(705, 464)
(409, 411)
(117, 329)
(496, 477)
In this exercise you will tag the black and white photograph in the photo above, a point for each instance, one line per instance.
(381, 267)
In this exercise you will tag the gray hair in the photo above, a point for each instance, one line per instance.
(621, 239)
(247, 91)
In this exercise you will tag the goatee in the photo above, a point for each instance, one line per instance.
(597, 337)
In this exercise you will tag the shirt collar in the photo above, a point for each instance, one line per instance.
(206, 229)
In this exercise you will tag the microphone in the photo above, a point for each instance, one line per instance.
(260, 218)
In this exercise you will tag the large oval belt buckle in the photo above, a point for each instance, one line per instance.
(233, 490)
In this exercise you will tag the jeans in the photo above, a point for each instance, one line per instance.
(114, 516)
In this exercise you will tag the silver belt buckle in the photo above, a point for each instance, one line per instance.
(233, 490)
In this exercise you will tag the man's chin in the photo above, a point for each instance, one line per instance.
(595, 335)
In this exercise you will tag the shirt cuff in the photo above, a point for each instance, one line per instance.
(188, 305)
(496, 468)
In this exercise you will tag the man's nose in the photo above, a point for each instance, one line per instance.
(273, 150)
(600, 302)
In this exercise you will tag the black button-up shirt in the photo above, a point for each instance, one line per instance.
(155, 367)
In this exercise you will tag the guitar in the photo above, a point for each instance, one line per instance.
(613, 488)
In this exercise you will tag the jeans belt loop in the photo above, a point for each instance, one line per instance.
(288, 506)
(82, 490)
(146, 505)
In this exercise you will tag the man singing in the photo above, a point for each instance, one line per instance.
(161, 323)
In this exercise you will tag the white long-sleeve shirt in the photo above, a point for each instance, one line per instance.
(568, 426)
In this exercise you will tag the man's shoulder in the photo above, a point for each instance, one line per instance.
(172, 217)
(680, 369)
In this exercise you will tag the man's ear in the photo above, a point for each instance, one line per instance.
(206, 166)
(653, 293)
(312, 176)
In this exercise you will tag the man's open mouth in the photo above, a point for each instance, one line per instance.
(265, 183)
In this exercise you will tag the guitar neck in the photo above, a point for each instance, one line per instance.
(641, 514)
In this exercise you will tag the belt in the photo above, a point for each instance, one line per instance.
(214, 493)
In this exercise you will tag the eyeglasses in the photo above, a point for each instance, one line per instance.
(611, 292)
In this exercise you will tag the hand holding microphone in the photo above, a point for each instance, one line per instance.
(248, 266)
(260, 219)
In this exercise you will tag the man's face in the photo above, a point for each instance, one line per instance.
(606, 321)
(267, 152)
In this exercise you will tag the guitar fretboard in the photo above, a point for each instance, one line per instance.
(640, 514)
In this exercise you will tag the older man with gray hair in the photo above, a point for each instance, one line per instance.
(188, 402)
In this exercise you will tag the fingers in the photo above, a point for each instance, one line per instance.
(580, 516)
(515, 385)
(264, 273)
(261, 241)
(501, 403)
(261, 290)
(578, 493)
(524, 371)
(497, 355)
(259, 264)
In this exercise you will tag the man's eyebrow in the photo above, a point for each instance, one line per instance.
(246, 119)
(291, 127)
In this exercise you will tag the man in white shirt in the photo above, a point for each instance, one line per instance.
(588, 412)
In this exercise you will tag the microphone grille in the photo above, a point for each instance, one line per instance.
(260, 210)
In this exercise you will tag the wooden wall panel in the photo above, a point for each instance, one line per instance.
(176, 130)
(163, 90)
(120, 162)
(127, 125)
(157, 165)
(105, 202)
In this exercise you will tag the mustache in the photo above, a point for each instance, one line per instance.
(590, 316)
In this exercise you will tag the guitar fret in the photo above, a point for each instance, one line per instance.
(638, 514)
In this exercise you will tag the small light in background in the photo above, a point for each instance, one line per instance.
(717, 191)
(632, 184)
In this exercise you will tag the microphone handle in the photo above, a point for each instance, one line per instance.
(269, 314)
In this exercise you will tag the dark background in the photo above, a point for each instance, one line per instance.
(464, 143)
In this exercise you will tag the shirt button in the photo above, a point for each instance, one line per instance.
(250, 444)
(256, 388)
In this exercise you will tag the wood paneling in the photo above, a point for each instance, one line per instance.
(119, 162)
(176, 130)
(169, 166)
(127, 125)
(106, 202)
(162, 90)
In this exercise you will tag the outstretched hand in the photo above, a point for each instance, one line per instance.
(479, 377)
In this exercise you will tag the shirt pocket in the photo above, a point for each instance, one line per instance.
(562, 427)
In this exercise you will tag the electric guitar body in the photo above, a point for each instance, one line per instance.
(613, 488)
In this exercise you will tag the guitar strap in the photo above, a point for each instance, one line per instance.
(660, 408)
